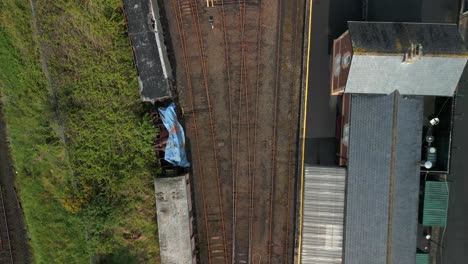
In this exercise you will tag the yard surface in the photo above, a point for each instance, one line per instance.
(239, 87)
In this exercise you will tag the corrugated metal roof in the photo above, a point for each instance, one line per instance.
(322, 235)
(396, 37)
(434, 76)
(173, 220)
(153, 84)
(422, 258)
(406, 179)
(368, 179)
(435, 204)
(378, 52)
(374, 172)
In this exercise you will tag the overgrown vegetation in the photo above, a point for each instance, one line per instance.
(91, 195)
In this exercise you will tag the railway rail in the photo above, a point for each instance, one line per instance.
(291, 135)
(247, 64)
(187, 17)
(240, 123)
(281, 209)
(275, 120)
(6, 253)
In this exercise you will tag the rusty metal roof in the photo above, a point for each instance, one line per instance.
(396, 38)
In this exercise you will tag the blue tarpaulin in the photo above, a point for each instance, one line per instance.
(175, 148)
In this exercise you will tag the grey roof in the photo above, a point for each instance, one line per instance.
(377, 64)
(368, 179)
(406, 179)
(395, 38)
(384, 151)
(322, 231)
(153, 84)
(173, 220)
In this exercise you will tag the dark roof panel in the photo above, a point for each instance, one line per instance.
(386, 37)
(406, 179)
(384, 150)
(152, 81)
(138, 15)
(153, 84)
(368, 180)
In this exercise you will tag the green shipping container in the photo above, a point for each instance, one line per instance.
(436, 197)
(422, 258)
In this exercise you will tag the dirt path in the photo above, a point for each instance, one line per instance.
(44, 62)
(43, 58)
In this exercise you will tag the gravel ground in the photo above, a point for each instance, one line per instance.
(248, 142)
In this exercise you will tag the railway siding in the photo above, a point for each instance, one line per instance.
(236, 79)
(6, 254)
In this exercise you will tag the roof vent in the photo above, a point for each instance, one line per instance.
(414, 52)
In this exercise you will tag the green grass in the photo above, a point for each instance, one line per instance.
(55, 233)
(92, 197)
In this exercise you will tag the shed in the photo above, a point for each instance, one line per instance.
(383, 179)
(435, 203)
(322, 230)
(174, 217)
(149, 52)
(422, 258)
(413, 58)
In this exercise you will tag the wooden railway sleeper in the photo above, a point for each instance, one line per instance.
(216, 246)
(236, 2)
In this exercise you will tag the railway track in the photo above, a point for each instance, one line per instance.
(230, 84)
(291, 154)
(243, 142)
(281, 210)
(243, 56)
(6, 253)
(14, 246)
(275, 120)
(187, 17)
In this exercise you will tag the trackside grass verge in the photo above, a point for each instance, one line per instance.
(91, 195)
